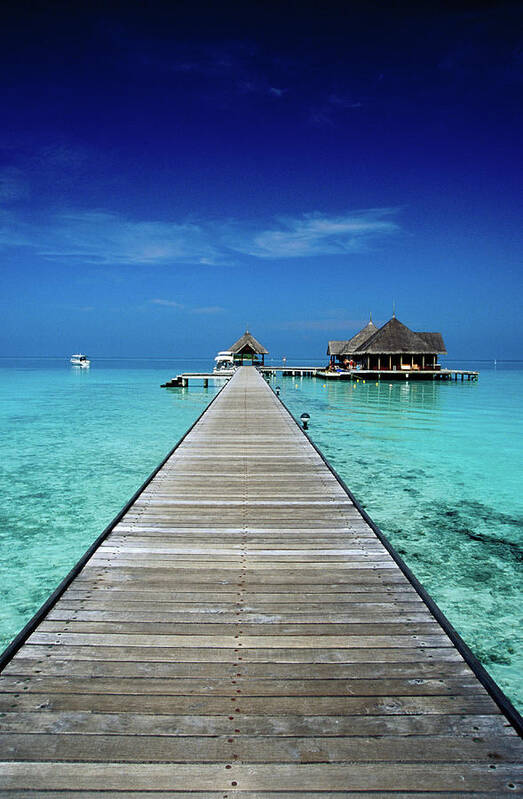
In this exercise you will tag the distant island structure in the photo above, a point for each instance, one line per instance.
(390, 352)
(393, 347)
(247, 350)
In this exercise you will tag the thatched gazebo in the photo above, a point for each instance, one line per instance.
(248, 349)
(395, 346)
(391, 347)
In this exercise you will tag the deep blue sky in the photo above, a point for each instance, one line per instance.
(170, 175)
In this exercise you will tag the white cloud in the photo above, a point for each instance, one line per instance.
(318, 234)
(167, 303)
(204, 309)
(99, 237)
(327, 112)
(105, 239)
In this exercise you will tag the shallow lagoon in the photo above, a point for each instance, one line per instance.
(437, 465)
(74, 446)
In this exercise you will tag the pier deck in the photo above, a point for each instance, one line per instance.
(399, 374)
(242, 631)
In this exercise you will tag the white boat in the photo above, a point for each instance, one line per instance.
(224, 362)
(80, 360)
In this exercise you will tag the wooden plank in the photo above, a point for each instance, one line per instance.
(239, 794)
(232, 641)
(282, 655)
(265, 625)
(202, 605)
(229, 615)
(255, 706)
(268, 686)
(257, 749)
(488, 727)
(72, 666)
(294, 777)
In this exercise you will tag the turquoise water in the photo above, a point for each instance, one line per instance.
(74, 446)
(437, 465)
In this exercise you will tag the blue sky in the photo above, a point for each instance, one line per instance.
(169, 176)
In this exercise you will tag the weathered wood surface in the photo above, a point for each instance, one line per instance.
(242, 632)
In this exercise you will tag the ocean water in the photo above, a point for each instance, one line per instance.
(437, 465)
(74, 446)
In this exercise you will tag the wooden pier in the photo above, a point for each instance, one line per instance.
(291, 371)
(183, 380)
(243, 631)
(399, 374)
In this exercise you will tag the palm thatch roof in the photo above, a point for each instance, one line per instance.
(248, 342)
(359, 339)
(435, 341)
(395, 338)
(335, 347)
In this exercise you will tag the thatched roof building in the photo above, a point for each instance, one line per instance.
(435, 342)
(335, 347)
(394, 346)
(347, 347)
(359, 339)
(247, 348)
(393, 338)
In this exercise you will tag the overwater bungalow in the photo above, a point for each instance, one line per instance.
(393, 347)
(247, 350)
(343, 350)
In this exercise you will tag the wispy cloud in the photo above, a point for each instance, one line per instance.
(167, 303)
(205, 309)
(326, 113)
(109, 239)
(98, 237)
(229, 69)
(319, 234)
